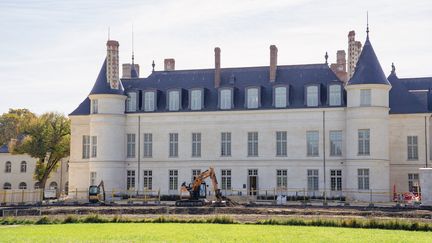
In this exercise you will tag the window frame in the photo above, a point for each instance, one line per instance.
(312, 180)
(86, 143)
(22, 186)
(8, 167)
(336, 180)
(362, 178)
(128, 100)
(306, 95)
(333, 149)
(169, 91)
(287, 89)
(281, 179)
(413, 147)
(196, 144)
(7, 186)
(226, 144)
(220, 98)
(247, 89)
(148, 179)
(147, 145)
(173, 176)
(363, 102)
(202, 99)
(173, 145)
(226, 179)
(281, 143)
(131, 145)
(94, 106)
(155, 95)
(93, 146)
(130, 179)
(23, 167)
(365, 142)
(310, 151)
(252, 144)
(329, 93)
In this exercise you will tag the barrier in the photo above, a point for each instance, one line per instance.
(18, 196)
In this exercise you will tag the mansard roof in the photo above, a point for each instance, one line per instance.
(410, 95)
(4, 148)
(368, 69)
(102, 86)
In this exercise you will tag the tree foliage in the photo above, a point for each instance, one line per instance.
(47, 138)
(11, 123)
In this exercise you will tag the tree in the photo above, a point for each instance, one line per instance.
(12, 122)
(47, 138)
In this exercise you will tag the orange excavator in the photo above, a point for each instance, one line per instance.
(195, 198)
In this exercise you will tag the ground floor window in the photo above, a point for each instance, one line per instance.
(312, 180)
(22, 186)
(336, 180)
(93, 178)
(363, 179)
(281, 179)
(148, 179)
(173, 180)
(53, 185)
(226, 179)
(413, 182)
(130, 180)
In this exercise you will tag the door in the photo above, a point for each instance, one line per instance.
(252, 182)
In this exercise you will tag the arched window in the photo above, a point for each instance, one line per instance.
(23, 167)
(22, 186)
(8, 167)
(66, 187)
(53, 185)
(37, 185)
(7, 186)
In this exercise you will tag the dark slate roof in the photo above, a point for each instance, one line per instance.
(134, 73)
(102, 86)
(368, 69)
(82, 109)
(4, 148)
(296, 77)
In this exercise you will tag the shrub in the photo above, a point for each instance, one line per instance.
(94, 218)
(43, 220)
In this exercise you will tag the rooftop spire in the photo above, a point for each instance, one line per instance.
(367, 24)
(133, 56)
(153, 66)
(326, 58)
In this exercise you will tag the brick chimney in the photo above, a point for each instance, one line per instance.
(112, 59)
(273, 63)
(169, 64)
(217, 78)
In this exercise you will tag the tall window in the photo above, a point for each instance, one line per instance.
(226, 179)
(94, 107)
(22, 186)
(86, 147)
(148, 145)
(365, 97)
(131, 145)
(53, 185)
(131, 101)
(130, 180)
(281, 143)
(336, 180)
(8, 167)
(252, 98)
(149, 101)
(312, 180)
(173, 144)
(174, 100)
(413, 182)
(312, 96)
(93, 146)
(335, 143)
(363, 142)
(195, 173)
(196, 99)
(282, 179)
(312, 138)
(280, 97)
(225, 99)
(7, 186)
(335, 95)
(363, 179)
(173, 180)
(226, 144)
(196, 144)
(93, 177)
(252, 143)
(412, 142)
(23, 168)
(148, 179)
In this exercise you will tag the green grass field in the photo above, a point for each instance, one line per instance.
(172, 232)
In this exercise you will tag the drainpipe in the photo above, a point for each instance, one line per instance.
(324, 160)
(139, 153)
(426, 143)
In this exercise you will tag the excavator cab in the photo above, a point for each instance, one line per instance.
(97, 193)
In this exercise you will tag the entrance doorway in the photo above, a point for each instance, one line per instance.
(252, 182)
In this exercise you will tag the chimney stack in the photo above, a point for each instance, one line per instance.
(169, 64)
(112, 59)
(217, 78)
(273, 63)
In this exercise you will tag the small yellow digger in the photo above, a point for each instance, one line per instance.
(97, 193)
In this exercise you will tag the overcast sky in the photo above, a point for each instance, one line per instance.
(52, 51)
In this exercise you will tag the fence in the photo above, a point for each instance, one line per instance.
(8, 197)
(117, 196)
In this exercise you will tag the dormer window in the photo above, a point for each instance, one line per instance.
(149, 101)
(312, 96)
(196, 99)
(365, 97)
(174, 100)
(335, 95)
(225, 99)
(94, 106)
(131, 102)
(280, 97)
(252, 98)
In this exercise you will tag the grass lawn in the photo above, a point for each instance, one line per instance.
(172, 232)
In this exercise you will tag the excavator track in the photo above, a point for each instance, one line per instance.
(189, 203)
